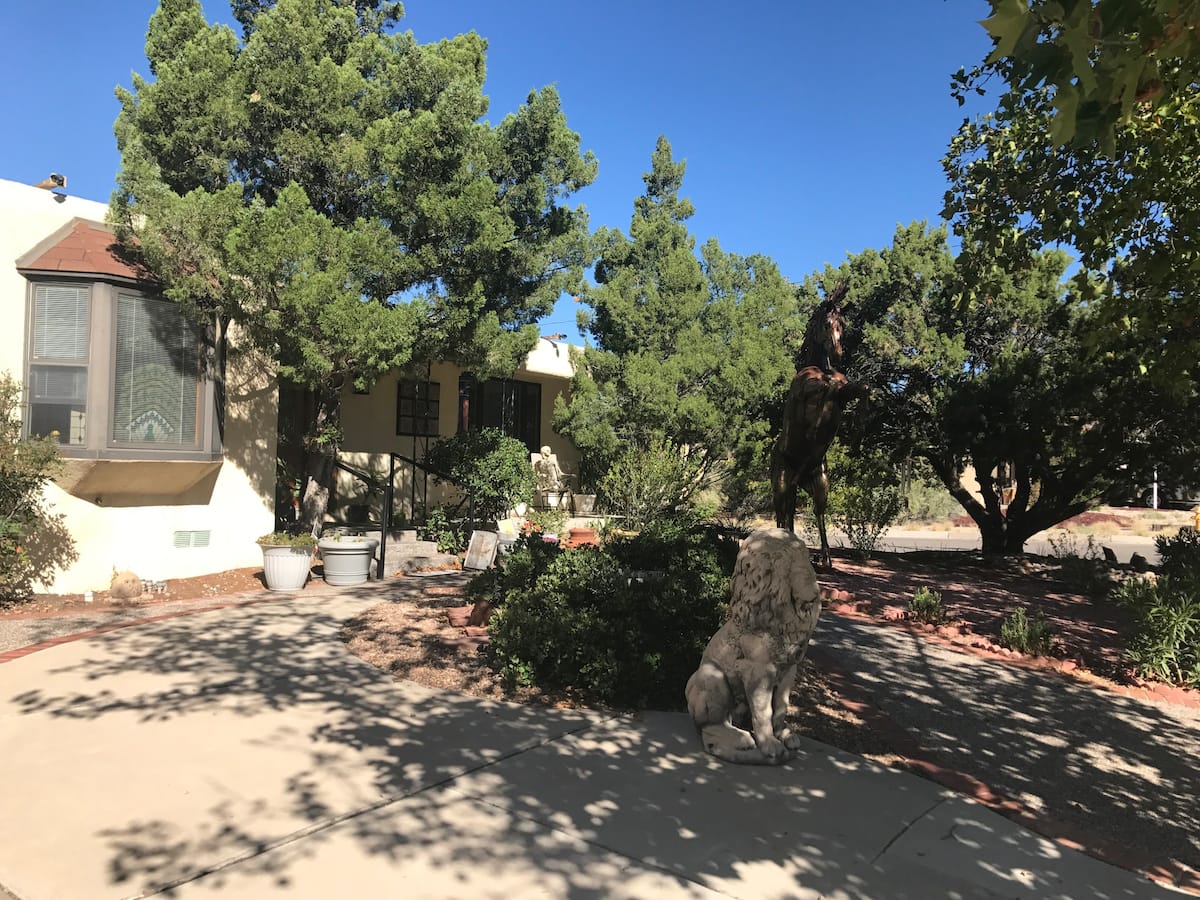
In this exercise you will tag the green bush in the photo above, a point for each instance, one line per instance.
(864, 496)
(26, 466)
(438, 527)
(488, 465)
(1033, 636)
(1081, 564)
(1166, 639)
(926, 606)
(648, 484)
(1179, 554)
(624, 626)
(928, 501)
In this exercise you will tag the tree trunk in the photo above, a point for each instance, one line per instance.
(320, 457)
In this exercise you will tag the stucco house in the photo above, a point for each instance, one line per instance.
(168, 473)
(161, 477)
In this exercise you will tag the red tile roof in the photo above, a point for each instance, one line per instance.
(89, 248)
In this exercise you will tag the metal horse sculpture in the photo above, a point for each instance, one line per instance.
(811, 415)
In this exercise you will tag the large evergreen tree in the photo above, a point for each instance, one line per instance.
(331, 186)
(1018, 379)
(689, 350)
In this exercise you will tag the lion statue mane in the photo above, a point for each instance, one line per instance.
(749, 666)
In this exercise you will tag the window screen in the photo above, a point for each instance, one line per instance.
(58, 392)
(156, 389)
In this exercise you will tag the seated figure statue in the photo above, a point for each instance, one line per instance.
(738, 697)
(547, 472)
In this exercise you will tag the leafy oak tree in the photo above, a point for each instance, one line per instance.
(690, 351)
(1094, 144)
(331, 186)
(1017, 380)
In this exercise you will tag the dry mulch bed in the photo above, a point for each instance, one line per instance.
(979, 594)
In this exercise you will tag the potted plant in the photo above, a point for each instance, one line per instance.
(347, 557)
(584, 503)
(286, 559)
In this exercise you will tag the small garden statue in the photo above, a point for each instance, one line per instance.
(749, 666)
(550, 478)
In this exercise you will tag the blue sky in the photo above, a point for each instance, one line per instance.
(810, 129)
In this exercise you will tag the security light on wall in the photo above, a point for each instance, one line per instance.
(54, 181)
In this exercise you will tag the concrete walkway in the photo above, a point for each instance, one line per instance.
(244, 753)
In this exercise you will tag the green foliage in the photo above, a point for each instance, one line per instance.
(624, 626)
(486, 464)
(689, 351)
(439, 527)
(301, 541)
(926, 606)
(334, 186)
(925, 498)
(26, 467)
(864, 499)
(1179, 554)
(1081, 564)
(547, 521)
(1021, 378)
(644, 485)
(1097, 114)
(1031, 636)
(1166, 641)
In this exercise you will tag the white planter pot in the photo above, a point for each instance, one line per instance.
(286, 568)
(347, 562)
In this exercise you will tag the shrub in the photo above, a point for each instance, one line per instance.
(927, 500)
(1179, 554)
(864, 498)
(439, 527)
(1081, 565)
(26, 466)
(625, 626)
(486, 464)
(1166, 639)
(301, 541)
(926, 606)
(644, 485)
(1033, 636)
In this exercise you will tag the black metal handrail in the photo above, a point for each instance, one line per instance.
(389, 495)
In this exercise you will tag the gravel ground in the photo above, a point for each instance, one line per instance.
(1120, 768)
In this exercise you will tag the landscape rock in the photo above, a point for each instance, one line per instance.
(126, 586)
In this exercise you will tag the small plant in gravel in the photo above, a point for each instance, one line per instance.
(926, 606)
(1019, 632)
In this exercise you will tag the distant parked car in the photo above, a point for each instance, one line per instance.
(1169, 496)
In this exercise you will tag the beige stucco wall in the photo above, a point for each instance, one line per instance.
(369, 426)
(125, 515)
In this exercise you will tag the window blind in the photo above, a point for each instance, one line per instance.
(60, 322)
(156, 395)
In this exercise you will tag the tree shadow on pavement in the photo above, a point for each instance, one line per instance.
(247, 745)
(1122, 769)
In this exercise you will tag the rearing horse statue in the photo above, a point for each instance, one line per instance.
(811, 415)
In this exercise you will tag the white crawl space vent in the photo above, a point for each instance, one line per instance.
(185, 539)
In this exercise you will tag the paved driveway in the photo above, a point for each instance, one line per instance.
(244, 753)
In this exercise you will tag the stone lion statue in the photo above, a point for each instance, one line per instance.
(749, 666)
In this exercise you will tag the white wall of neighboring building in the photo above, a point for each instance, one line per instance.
(126, 515)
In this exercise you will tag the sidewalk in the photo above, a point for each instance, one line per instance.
(244, 753)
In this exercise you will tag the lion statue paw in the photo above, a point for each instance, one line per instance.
(738, 696)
